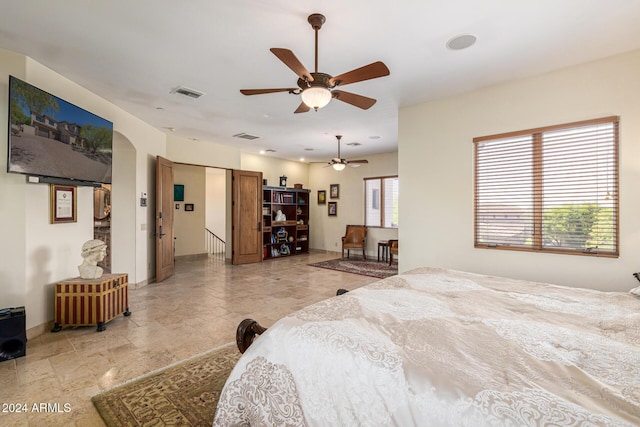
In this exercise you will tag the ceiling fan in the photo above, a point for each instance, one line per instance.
(339, 163)
(317, 89)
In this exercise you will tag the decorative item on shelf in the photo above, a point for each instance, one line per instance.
(297, 186)
(93, 251)
(281, 235)
(264, 181)
(299, 211)
(266, 211)
(291, 238)
(284, 249)
(280, 216)
(301, 222)
(322, 197)
(283, 181)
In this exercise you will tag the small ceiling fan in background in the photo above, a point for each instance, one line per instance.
(338, 163)
(317, 89)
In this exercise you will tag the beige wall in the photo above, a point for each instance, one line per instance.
(436, 169)
(188, 226)
(272, 169)
(326, 231)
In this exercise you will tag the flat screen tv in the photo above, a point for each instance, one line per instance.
(50, 137)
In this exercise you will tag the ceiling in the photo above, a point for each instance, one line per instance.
(134, 53)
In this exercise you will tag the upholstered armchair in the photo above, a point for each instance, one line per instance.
(393, 249)
(355, 238)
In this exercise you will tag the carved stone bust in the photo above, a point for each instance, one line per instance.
(93, 251)
(280, 216)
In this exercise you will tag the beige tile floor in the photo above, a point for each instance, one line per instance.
(195, 310)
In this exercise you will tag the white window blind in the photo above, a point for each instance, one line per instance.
(381, 201)
(550, 189)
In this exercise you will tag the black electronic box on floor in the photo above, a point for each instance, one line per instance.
(13, 334)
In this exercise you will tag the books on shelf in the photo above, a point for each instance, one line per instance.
(284, 198)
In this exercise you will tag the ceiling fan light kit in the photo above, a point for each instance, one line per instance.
(339, 163)
(317, 89)
(316, 97)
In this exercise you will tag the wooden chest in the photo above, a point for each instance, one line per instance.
(85, 302)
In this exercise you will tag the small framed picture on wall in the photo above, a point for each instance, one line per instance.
(333, 208)
(63, 203)
(334, 191)
(322, 197)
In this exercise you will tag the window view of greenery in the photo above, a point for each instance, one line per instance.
(553, 190)
(381, 202)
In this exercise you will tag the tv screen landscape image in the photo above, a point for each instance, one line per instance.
(50, 137)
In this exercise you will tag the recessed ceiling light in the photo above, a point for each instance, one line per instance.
(374, 137)
(170, 129)
(308, 149)
(354, 144)
(462, 41)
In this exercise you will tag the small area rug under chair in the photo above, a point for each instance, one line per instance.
(358, 265)
(184, 394)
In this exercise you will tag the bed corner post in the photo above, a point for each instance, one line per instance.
(246, 333)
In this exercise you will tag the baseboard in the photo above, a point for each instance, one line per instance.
(41, 329)
(193, 256)
(139, 284)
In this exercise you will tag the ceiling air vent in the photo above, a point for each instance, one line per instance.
(181, 90)
(245, 136)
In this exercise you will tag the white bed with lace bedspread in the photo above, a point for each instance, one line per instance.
(440, 347)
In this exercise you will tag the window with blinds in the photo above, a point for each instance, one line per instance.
(381, 202)
(552, 189)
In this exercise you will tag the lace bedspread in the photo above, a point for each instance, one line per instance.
(445, 348)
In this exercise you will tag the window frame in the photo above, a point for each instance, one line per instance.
(381, 204)
(538, 183)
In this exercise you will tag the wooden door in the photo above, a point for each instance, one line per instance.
(246, 217)
(164, 219)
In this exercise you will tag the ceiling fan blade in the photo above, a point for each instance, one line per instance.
(371, 71)
(358, 161)
(353, 99)
(290, 60)
(261, 91)
(302, 108)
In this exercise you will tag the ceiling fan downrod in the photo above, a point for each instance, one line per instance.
(316, 20)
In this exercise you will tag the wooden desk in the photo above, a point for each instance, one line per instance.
(86, 302)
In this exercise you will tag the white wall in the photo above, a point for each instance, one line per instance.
(37, 254)
(13, 208)
(436, 171)
(326, 231)
(216, 202)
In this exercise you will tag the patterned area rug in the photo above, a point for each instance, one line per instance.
(185, 394)
(357, 265)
